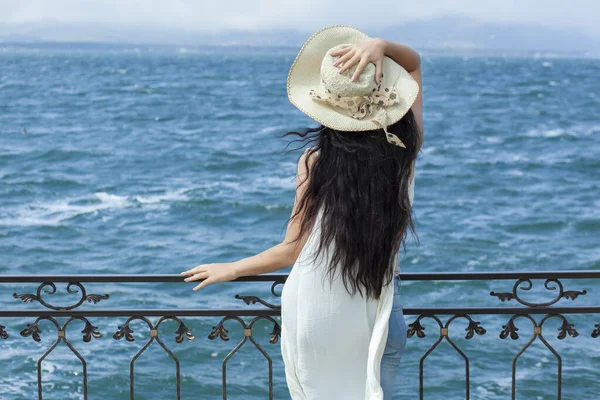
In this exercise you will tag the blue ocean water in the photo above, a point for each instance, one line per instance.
(154, 160)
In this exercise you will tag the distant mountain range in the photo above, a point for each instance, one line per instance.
(447, 32)
(457, 32)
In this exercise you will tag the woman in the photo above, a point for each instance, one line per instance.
(343, 330)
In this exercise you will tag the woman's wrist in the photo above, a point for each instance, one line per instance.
(381, 43)
(236, 267)
(405, 56)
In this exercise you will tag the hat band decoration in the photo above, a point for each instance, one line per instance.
(368, 106)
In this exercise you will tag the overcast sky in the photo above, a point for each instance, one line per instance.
(214, 15)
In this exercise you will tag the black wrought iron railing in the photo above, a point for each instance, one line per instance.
(247, 318)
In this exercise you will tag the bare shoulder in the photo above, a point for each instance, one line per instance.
(311, 153)
(303, 166)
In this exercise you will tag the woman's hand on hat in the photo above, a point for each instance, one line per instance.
(372, 50)
(211, 273)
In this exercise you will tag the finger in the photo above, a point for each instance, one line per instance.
(203, 284)
(200, 275)
(361, 66)
(192, 271)
(340, 52)
(378, 71)
(340, 61)
(349, 64)
(343, 58)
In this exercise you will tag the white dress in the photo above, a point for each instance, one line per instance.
(331, 343)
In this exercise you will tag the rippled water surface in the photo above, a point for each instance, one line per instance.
(156, 160)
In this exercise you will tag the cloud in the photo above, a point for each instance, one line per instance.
(307, 15)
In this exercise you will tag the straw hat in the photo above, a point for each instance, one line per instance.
(317, 89)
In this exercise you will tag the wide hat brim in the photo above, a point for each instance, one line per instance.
(305, 74)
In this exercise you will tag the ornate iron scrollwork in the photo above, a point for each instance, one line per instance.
(91, 298)
(418, 329)
(181, 332)
(274, 285)
(88, 331)
(126, 331)
(596, 332)
(33, 331)
(565, 329)
(254, 299)
(220, 331)
(510, 329)
(569, 294)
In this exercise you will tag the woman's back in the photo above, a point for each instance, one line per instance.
(321, 317)
(353, 211)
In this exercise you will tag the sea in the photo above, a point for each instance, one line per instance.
(127, 159)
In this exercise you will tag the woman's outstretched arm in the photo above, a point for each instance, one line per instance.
(275, 258)
(285, 253)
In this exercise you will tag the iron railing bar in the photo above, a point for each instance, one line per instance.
(408, 276)
(269, 312)
(140, 313)
(122, 278)
(469, 276)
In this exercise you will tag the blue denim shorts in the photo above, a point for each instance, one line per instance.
(395, 345)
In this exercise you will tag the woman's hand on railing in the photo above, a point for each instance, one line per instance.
(211, 273)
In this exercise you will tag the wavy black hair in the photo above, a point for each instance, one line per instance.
(361, 182)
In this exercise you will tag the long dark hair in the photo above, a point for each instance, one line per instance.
(361, 182)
